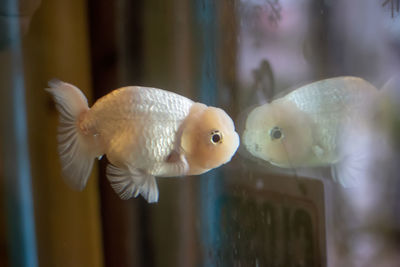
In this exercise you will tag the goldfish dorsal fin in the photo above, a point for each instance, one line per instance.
(128, 183)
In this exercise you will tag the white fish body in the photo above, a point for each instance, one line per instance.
(139, 125)
(309, 122)
(144, 132)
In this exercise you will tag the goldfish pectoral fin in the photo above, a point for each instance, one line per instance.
(176, 164)
(130, 183)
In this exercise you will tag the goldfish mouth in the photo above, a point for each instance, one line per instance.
(234, 147)
(236, 141)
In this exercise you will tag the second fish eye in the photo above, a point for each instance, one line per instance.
(276, 133)
(216, 137)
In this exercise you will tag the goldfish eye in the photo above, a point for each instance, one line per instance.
(216, 137)
(276, 133)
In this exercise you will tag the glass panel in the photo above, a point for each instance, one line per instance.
(314, 181)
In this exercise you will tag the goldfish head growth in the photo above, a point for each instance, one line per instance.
(208, 138)
(279, 133)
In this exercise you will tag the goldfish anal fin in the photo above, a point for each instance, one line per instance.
(128, 183)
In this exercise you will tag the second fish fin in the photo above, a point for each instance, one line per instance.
(132, 182)
(353, 168)
(347, 173)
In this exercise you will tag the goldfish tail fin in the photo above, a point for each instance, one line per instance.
(76, 149)
(131, 183)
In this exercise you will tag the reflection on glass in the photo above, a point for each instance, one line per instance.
(307, 127)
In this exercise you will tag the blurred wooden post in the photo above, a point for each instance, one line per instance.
(111, 25)
(67, 222)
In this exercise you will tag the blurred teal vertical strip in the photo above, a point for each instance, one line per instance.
(205, 14)
(205, 18)
(14, 150)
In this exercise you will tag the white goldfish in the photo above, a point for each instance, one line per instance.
(305, 128)
(144, 132)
